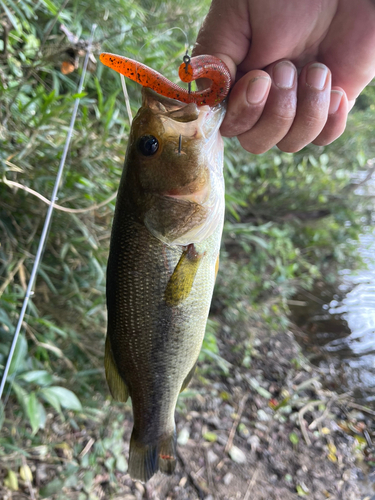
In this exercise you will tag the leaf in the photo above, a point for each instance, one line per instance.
(110, 464)
(51, 488)
(210, 436)
(12, 18)
(51, 398)
(47, 279)
(19, 355)
(50, 6)
(2, 415)
(40, 377)
(66, 398)
(260, 390)
(302, 490)
(294, 439)
(11, 481)
(183, 436)
(25, 473)
(237, 455)
(33, 412)
(332, 448)
(122, 464)
(21, 396)
(222, 363)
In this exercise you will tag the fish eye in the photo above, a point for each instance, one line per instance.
(148, 145)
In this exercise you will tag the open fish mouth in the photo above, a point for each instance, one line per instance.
(188, 120)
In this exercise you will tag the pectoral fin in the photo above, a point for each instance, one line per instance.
(116, 384)
(180, 283)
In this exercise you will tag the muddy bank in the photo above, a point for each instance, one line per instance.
(264, 431)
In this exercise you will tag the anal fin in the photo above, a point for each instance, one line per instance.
(115, 383)
(188, 377)
(181, 282)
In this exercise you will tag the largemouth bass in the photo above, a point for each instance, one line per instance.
(162, 266)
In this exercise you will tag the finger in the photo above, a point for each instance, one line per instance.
(279, 111)
(348, 47)
(246, 103)
(336, 121)
(225, 33)
(313, 97)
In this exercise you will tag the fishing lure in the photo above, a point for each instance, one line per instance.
(191, 69)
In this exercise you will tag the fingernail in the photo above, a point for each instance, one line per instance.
(257, 89)
(316, 76)
(334, 104)
(283, 74)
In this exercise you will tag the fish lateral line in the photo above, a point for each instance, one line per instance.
(204, 66)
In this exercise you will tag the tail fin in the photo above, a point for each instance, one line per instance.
(145, 460)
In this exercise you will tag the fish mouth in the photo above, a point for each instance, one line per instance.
(171, 108)
(180, 118)
(187, 121)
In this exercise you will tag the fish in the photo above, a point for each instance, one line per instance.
(162, 265)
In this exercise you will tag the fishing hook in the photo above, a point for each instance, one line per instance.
(179, 144)
(186, 60)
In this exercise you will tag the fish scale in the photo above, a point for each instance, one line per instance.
(153, 329)
(162, 268)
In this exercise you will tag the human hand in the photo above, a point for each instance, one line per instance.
(315, 59)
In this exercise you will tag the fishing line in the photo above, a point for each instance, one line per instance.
(163, 33)
(166, 31)
(127, 101)
(43, 238)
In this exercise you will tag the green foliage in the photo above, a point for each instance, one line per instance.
(210, 352)
(290, 218)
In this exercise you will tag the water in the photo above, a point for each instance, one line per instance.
(338, 327)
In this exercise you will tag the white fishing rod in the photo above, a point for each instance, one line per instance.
(42, 242)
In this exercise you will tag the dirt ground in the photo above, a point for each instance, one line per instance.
(264, 431)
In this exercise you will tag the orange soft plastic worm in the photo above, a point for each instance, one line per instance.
(197, 67)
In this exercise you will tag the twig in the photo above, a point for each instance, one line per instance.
(87, 448)
(209, 474)
(232, 433)
(27, 480)
(58, 352)
(251, 485)
(362, 408)
(201, 490)
(11, 276)
(59, 207)
(306, 383)
(317, 421)
(371, 170)
(301, 413)
(127, 101)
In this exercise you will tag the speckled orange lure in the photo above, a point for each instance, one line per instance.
(197, 67)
